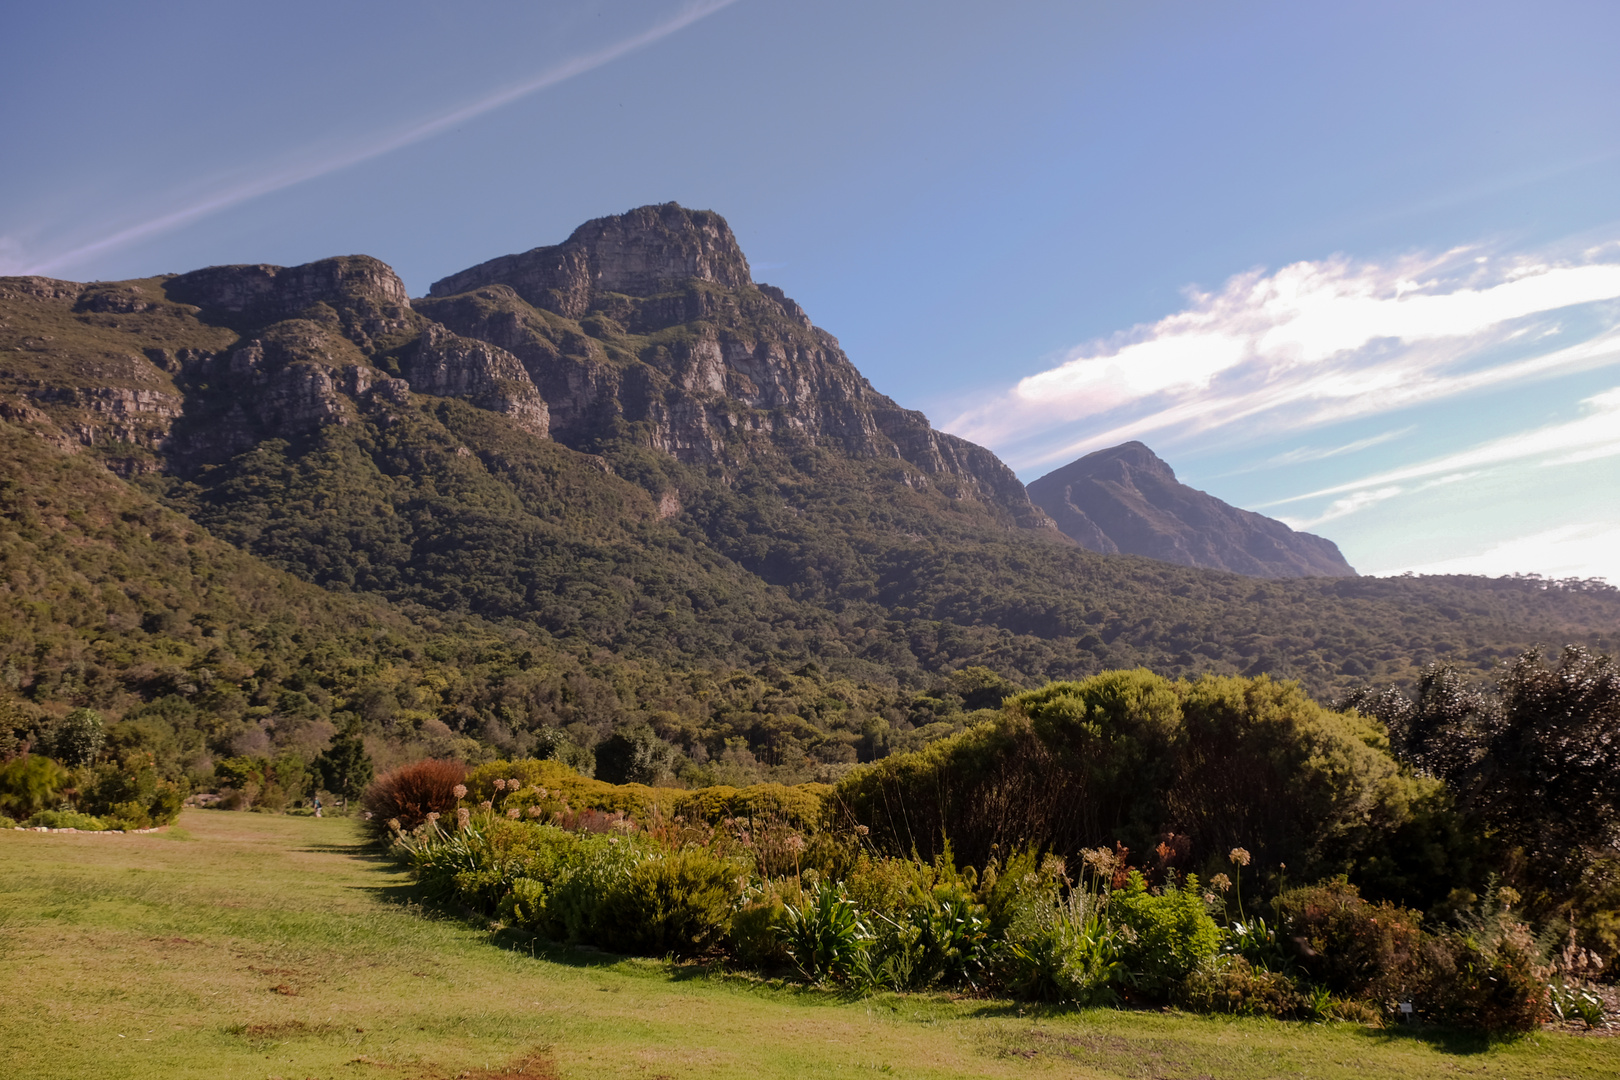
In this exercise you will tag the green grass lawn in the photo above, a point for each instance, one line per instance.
(247, 945)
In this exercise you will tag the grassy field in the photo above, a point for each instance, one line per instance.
(245, 945)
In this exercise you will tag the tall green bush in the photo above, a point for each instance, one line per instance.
(677, 903)
(1127, 757)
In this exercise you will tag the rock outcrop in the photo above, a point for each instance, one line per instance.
(647, 251)
(259, 294)
(447, 365)
(1127, 500)
(650, 318)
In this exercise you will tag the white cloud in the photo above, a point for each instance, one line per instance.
(1312, 344)
(1588, 550)
(1595, 435)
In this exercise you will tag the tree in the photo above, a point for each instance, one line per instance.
(634, 756)
(345, 767)
(1551, 777)
(76, 739)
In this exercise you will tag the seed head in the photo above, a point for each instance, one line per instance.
(1239, 856)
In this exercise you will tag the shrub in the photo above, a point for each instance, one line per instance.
(66, 819)
(1168, 934)
(1230, 984)
(129, 794)
(753, 938)
(1496, 985)
(678, 903)
(344, 767)
(1126, 756)
(524, 904)
(410, 793)
(29, 784)
(594, 868)
(1355, 948)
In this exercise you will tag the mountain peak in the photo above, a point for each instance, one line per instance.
(1133, 456)
(642, 252)
(1127, 500)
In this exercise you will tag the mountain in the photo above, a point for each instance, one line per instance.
(1126, 499)
(606, 484)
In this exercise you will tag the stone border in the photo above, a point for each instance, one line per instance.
(89, 832)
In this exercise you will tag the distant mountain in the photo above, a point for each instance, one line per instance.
(1127, 500)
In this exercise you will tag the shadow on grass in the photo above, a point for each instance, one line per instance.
(1444, 1040)
(358, 849)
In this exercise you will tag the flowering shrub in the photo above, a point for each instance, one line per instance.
(1498, 985)
(829, 906)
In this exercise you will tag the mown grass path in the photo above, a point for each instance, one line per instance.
(243, 945)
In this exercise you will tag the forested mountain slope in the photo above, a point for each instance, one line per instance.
(608, 483)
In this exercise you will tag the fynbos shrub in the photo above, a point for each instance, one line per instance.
(411, 792)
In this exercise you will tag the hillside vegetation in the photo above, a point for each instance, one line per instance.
(248, 508)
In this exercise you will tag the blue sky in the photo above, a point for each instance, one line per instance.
(1355, 265)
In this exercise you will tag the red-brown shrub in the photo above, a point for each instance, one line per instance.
(1353, 947)
(1495, 982)
(411, 792)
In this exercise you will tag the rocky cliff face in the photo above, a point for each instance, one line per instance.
(650, 318)
(1128, 500)
(175, 373)
(447, 365)
(647, 251)
(643, 326)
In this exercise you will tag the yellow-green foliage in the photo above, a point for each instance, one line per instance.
(1129, 756)
(799, 805)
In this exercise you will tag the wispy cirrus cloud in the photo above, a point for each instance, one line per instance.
(1592, 436)
(318, 161)
(1313, 344)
